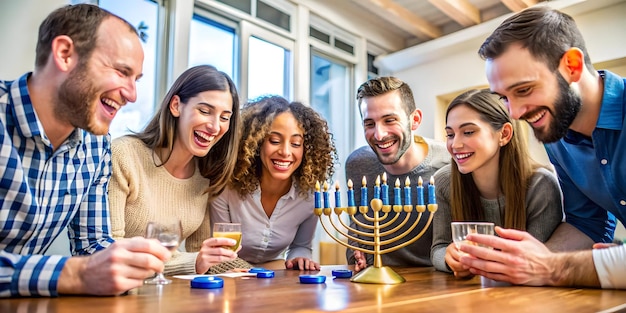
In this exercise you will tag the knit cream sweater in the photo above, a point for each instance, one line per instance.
(140, 192)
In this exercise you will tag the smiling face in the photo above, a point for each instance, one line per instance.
(282, 149)
(387, 128)
(202, 121)
(533, 93)
(98, 87)
(473, 144)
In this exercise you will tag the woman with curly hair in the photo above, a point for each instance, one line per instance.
(284, 149)
(162, 172)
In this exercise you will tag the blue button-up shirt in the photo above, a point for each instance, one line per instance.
(592, 171)
(45, 193)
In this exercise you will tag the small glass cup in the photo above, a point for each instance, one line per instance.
(169, 235)
(460, 230)
(228, 230)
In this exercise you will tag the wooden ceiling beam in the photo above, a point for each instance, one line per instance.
(404, 19)
(518, 5)
(462, 11)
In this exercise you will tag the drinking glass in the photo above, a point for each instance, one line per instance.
(228, 230)
(460, 230)
(169, 235)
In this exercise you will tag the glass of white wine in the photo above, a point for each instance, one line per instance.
(169, 234)
(228, 230)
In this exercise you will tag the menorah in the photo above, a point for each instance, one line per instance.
(380, 210)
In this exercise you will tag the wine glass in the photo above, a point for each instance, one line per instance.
(169, 234)
(228, 230)
(460, 230)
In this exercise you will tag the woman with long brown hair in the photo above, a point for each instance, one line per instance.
(492, 178)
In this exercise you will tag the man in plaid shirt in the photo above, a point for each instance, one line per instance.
(55, 160)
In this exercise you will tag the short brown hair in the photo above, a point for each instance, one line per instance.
(382, 85)
(545, 32)
(80, 22)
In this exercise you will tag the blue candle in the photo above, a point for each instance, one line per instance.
(326, 196)
(420, 191)
(337, 195)
(385, 190)
(364, 192)
(407, 191)
(431, 191)
(318, 196)
(350, 194)
(396, 193)
(377, 188)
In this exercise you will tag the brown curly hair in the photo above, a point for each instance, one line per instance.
(319, 156)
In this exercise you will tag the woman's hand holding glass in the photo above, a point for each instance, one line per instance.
(460, 230)
(453, 257)
(214, 251)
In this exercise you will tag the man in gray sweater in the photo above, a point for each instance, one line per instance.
(389, 118)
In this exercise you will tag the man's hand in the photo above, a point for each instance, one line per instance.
(360, 262)
(302, 264)
(518, 258)
(214, 251)
(121, 267)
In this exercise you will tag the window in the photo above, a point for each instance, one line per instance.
(213, 43)
(330, 86)
(143, 15)
(268, 69)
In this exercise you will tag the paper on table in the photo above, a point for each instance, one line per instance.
(190, 277)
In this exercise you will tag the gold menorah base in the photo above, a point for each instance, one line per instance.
(378, 275)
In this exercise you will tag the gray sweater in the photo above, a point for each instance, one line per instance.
(363, 162)
(544, 211)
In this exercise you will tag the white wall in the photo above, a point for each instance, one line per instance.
(20, 21)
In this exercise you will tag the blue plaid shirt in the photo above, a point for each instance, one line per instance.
(45, 193)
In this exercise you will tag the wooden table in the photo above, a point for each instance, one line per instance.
(424, 291)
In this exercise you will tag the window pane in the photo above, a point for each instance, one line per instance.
(143, 15)
(268, 68)
(344, 46)
(316, 33)
(272, 15)
(243, 5)
(212, 43)
(330, 82)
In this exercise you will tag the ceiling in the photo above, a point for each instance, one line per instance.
(418, 21)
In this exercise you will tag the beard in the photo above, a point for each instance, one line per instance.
(405, 144)
(566, 107)
(77, 96)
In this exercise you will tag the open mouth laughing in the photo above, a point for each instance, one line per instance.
(536, 117)
(281, 164)
(110, 106)
(204, 137)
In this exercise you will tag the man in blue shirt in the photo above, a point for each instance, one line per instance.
(55, 160)
(537, 62)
